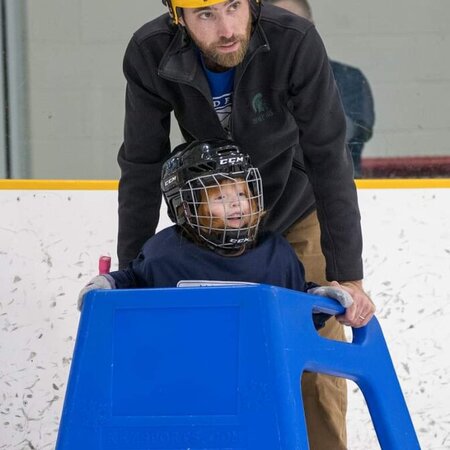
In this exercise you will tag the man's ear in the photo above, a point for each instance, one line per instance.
(181, 20)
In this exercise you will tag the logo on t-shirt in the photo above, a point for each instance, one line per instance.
(222, 105)
(221, 86)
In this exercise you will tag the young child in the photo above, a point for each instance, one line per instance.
(215, 197)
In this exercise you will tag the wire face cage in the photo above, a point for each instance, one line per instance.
(224, 209)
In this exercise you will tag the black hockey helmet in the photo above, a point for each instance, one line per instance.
(188, 177)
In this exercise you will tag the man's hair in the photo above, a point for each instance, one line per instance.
(304, 4)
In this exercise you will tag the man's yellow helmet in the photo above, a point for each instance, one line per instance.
(174, 4)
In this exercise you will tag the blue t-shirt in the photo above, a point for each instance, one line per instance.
(221, 86)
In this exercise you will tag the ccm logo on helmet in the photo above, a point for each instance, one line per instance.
(169, 181)
(233, 160)
(239, 241)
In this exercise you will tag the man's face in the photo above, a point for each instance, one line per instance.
(221, 32)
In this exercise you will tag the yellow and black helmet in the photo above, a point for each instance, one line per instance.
(174, 4)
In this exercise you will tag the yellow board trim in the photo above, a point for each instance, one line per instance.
(111, 185)
(60, 185)
(404, 183)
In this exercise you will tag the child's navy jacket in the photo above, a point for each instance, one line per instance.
(169, 257)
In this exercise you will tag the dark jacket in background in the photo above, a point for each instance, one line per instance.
(358, 105)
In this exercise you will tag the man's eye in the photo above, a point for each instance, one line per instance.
(205, 15)
(235, 5)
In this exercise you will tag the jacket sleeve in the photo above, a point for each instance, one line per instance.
(123, 279)
(138, 274)
(320, 117)
(146, 144)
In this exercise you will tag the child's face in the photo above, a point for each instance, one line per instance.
(230, 203)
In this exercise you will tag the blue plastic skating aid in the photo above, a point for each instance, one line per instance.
(215, 368)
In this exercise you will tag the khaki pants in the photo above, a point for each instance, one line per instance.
(324, 397)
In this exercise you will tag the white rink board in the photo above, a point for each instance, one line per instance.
(50, 242)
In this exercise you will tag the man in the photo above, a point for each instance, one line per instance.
(232, 69)
(354, 89)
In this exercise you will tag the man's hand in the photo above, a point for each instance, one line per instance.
(98, 282)
(362, 310)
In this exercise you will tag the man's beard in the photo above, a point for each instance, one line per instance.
(218, 61)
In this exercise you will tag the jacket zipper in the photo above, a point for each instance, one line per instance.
(230, 124)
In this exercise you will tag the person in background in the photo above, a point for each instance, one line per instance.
(354, 89)
(260, 76)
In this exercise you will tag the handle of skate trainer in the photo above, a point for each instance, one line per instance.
(104, 264)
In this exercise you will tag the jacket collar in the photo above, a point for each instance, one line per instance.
(180, 61)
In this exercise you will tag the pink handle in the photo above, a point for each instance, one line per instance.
(104, 264)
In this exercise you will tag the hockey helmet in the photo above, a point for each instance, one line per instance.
(188, 180)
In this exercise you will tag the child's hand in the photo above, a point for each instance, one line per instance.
(98, 282)
(337, 293)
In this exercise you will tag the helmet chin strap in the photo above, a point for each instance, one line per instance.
(197, 238)
(258, 12)
(241, 242)
(230, 252)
